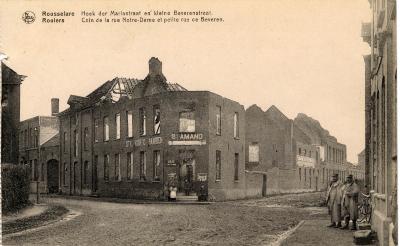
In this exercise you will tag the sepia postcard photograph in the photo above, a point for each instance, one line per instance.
(258, 122)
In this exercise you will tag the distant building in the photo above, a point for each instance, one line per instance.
(39, 143)
(133, 138)
(295, 155)
(10, 113)
(380, 117)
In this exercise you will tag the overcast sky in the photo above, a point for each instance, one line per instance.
(300, 55)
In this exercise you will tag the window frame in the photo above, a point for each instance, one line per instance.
(189, 121)
(219, 120)
(218, 165)
(117, 119)
(106, 129)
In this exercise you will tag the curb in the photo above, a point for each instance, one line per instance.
(66, 217)
(126, 201)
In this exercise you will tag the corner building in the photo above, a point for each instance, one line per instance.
(131, 138)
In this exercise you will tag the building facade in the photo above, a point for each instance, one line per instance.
(39, 145)
(380, 116)
(134, 138)
(295, 155)
(10, 113)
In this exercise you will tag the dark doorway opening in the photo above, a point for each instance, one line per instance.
(52, 176)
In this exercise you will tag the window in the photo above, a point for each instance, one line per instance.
(236, 177)
(118, 126)
(42, 172)
(142, 115)
(117, 167)
(218, 165)
(218, 117)
(157, 120)
(254, 153)
(142, 165)
(309, 153)
(235, 125)
(85, 173)
(299, 151)
(75, 143)
(300, 174)
(86, 138)
(65, 174)
(65, 142)
(106, 129)
(129, 118)
(156, 165)
(106, 167)
(96, 130)
(129, 166)
(187, 123)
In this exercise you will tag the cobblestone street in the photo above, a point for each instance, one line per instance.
(247, 222)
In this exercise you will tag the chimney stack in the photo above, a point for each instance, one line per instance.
(55, 106)
(155, 66)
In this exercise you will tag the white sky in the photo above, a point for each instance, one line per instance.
(300, 55)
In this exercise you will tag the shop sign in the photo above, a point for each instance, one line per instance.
(187, 136)
(144, 142)
(304, 161)
(202, 177)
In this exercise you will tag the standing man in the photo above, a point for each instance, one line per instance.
(350, 203)
(333, 201)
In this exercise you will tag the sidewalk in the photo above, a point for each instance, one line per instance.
(316, 232)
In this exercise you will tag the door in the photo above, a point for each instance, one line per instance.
(75, 177)
(52, 176)
(186, 176)
(264, 185)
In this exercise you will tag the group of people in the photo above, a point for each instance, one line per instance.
(342, 202)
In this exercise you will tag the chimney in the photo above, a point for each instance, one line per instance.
(55, 106)
(155, 66)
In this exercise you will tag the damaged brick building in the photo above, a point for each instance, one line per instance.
(292, 155)
(132, 138)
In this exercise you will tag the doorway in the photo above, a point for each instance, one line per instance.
(52, 176)
(187, 172)
(75, 177)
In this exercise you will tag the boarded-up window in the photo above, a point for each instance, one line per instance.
(129, 117)
(254, 153)
(187, 123)
(117, 126)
